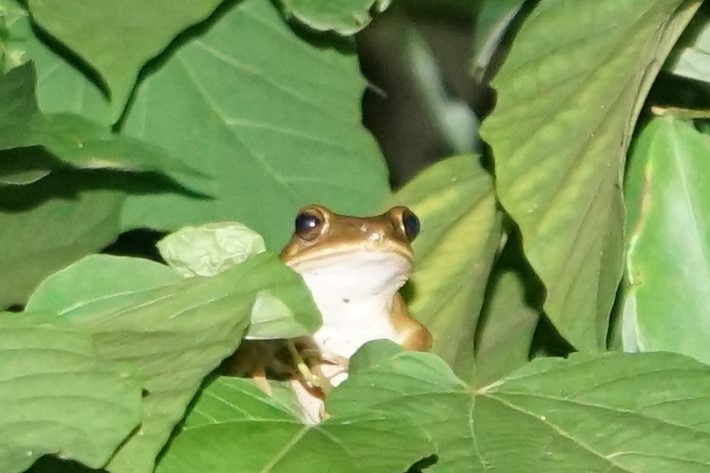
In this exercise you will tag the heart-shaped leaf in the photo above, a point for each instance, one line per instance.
(275, 133)
(637, 413)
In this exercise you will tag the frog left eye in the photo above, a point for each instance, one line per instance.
(308, 224)
(411, 224)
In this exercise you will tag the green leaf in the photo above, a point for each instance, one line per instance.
(461, 229)
(117, 39)
(692, 59)
(344, 17)
(568, 97)
(509, 316)
(57, 396)
(19, 110)
(209, 249)
(275, 133)
(172, 334)
(61, 87)
(94, 280)
(667, 194)
(47, 225)
(492, 23)
(71, 139)
(236, 427)
(639, 413)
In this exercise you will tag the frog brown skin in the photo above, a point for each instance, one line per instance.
(354, 267)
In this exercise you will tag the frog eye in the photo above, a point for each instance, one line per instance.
(411, 224)
(308, 225)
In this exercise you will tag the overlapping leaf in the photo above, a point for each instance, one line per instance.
(276, 124)
(454, 252)
(509, 316)
(71, 139)
(118, 38)
(61, 87)
(48, 224)
(175, 334)
(638, 413)
(692, 60)
(49, 371)
(236, 427)
(669, 218)
(344, 17)
(568, 96)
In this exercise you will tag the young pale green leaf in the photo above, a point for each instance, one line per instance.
(57, 396)
(47, 225)
(275, 136)
(234, 427)
(344, 17)
(509, 316)
(568, 96)
(209, 249)
(118, 38)
(461, 229)
(668, 196)
(71, 139)
(173, 334)
(635, 413)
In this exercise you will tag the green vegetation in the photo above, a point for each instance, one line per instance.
(582, 229)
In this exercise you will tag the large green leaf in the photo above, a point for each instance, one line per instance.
(48, 224)
(344, 17)
(568, 96)
(235, 427)
(173, 334)
(636, 413)
(57, 396)
(276, 124)
(668, 193)
(461, 229)
(118, 38)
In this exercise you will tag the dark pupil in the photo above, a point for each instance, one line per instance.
(411, 225)
(306, 223)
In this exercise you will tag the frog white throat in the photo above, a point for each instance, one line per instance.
(354, 291)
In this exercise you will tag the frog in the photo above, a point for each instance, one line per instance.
(354, 268)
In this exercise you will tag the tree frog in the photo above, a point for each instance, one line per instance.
(354, 268)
